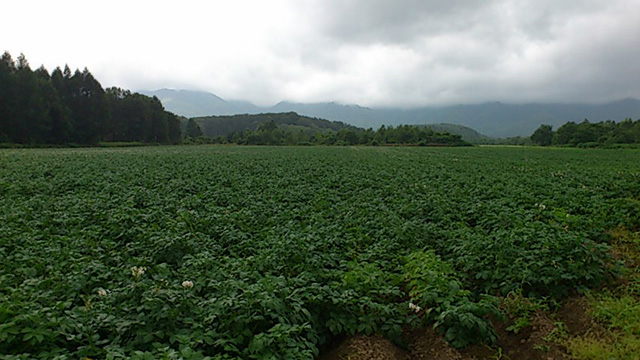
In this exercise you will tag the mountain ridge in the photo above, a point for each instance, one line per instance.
(495, 119)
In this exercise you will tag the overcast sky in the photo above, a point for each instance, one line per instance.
(369, 52)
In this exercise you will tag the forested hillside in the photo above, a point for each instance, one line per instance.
(293, 129)
(61, 107)
(588, 134)
(467, 133)
(213, 126)
(494, 119)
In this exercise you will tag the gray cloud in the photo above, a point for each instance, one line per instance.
(471, 51)
(393, 22)
(370, 52)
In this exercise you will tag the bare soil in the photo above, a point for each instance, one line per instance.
(574, 313)
(536, 342)
(362, 347)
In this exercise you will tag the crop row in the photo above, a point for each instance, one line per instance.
(241, 252)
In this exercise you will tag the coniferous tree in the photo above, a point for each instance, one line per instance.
(36, 107)
(7, 96)
(90, 111)
(173, 128)
(158, 132)
(30, 122)
(59, 113)
(193, 129)
(116, 129)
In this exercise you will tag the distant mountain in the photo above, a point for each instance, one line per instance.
(505, 120)
(352, 114)
(222, 125)
(197, 103)
(493, 119)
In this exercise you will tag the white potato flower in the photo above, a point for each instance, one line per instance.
(414, 307)
(187, 284)
(138, 271)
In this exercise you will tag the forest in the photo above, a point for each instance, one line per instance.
(65, 107)
(293, 129)
(587, 134)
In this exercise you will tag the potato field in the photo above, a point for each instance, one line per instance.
(227, 252)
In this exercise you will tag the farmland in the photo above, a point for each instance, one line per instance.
(274, 252)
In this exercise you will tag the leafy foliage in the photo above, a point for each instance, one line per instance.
(293, 129)
(433, 284)
(270, 252)
(543, 135)
(587, 134)
(193, 129)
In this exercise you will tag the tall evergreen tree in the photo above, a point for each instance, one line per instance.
(36, 107)
(7, 96)
(173, 128)
(158, 133)
(61, 126)
(193, 129)
(30, 122)
(89, 107)
(116, 128)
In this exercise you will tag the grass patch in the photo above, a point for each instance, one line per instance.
(521, 310)
(618, 309)
(591, 348)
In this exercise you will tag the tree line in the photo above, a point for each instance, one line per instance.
(271, 133)
(588, 134)
(65, 107)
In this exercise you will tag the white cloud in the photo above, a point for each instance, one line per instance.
(370, 52)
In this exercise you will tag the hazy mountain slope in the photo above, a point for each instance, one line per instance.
(223, 125)
(504, 120)
(493, 119)
(353, 114)
(197, 103)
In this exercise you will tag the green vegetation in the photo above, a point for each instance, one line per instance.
(468, 134)
(293, 129)
(214, 126)
(543, 135)
(192, 129)
(521, 309)
(620, 313)
(495, 119)
(61, 108)
(434, 286)
(64, 108)
(271, 252)
(617, 308)
(587, 134)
